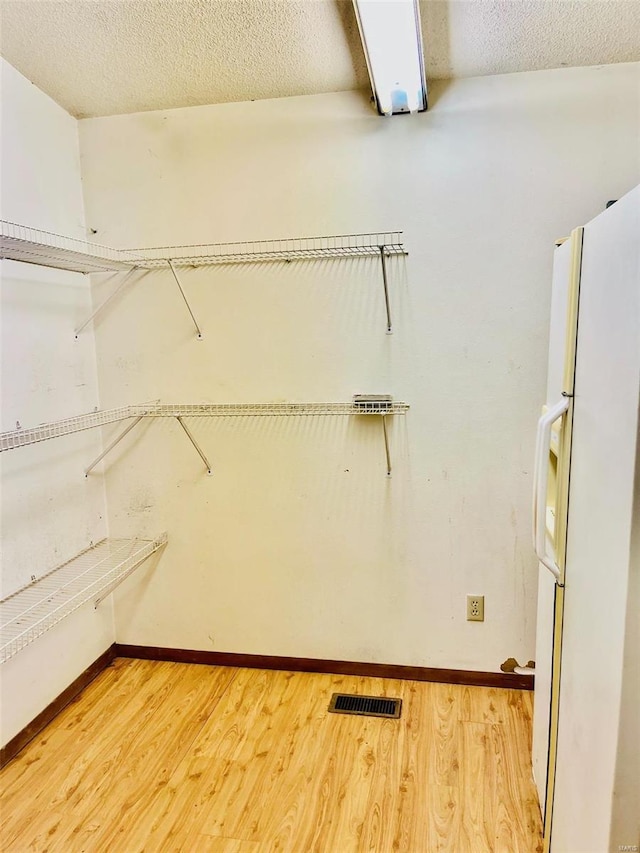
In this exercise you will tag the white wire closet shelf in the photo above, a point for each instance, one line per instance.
(32, 246)
(22, 437)
(90, 576)
(380, 405)
(21, 243)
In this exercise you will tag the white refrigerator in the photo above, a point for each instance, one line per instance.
(585, 524)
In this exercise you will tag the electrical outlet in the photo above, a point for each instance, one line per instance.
(475, 608)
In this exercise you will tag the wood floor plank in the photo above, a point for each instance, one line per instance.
(412, 769)
(73, 739)
(291, 762)
(440, 829)
(336, 774)
(352, 739)
(481, 705)
(102, 697)
(257, 759)
(477, 788)
(216, 844)
(155, 752)
(121, 749)
(236, 716)
(239, 736)
(441, 711)
(518, 812)
(378, 828)
(38, 841)
(265, 757)
(175, 758)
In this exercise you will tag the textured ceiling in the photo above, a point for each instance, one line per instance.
(101, 57)
(465, 38)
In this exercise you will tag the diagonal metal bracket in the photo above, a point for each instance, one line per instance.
(195, 444)
(386, 444)
(106, 592)
(383, 261)
(99, 309)
(186, 301)
(116, 440)
(128, 429)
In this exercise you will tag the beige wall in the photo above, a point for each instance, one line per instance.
(49, 510)
(299, 544)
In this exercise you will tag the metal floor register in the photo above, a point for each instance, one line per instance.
(369, 706)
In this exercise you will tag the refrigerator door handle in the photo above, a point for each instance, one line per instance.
(541, 482)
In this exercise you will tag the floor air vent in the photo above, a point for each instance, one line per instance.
(369, 706)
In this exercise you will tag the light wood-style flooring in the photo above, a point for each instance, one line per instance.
(196, 759)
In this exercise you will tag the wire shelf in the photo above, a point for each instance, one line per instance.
(30, 245)
(90, 576)
(22, 437)
(303, 248)
(212, 410)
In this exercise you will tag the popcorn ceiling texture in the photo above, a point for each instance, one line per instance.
(468, 38)
(124, 56)
(104, 57)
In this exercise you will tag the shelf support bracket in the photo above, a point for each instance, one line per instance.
(386, 444)
(195, 443)
(186, 301)
(98, 310)
(116, 583)
(116, 440)
(383, 261)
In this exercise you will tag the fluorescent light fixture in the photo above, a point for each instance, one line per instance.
(392, 41)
